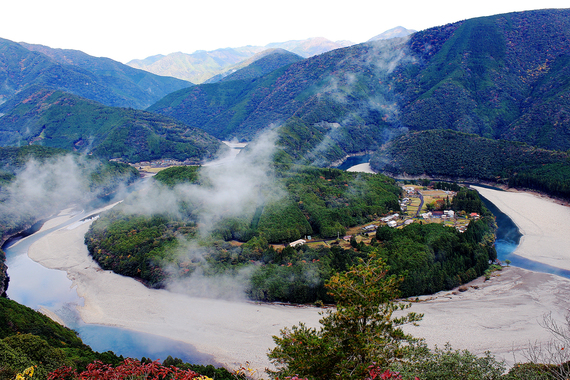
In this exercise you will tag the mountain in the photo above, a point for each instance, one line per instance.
(258, 65)
(310, 47)
(198, 66)
(58, 119)
(202, 65)
(333, 87)
(397, 32)
(99, 79)
(503, 77)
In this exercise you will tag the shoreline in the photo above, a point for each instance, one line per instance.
(500, 315)
(543, 222)
(233, 332)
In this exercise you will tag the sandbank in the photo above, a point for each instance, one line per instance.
(62, 217)
(363, 168)
(544, 223)
(233, 332)
(501, 315)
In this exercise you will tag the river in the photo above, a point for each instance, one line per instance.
(41, 288)
(508, 238)
(38, 287)
(354, 161)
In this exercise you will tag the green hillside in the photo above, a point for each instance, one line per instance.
(100, 79)
(28, 338)
(260, 64)
(62, 120)
(451, 154)
(502, 77)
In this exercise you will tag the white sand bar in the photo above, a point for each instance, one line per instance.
(233, 332)
(363, 168)
(501, 316)
(544, 223)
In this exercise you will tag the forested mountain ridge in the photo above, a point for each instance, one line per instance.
(100, 79)
(335, 86)
(58, 119)
(502, 76)
(258, 65)
(451, 154)
(460, 155)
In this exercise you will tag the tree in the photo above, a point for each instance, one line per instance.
(451, 364)
(554, 354)
(361, 331)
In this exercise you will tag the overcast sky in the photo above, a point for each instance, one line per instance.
(126, 29)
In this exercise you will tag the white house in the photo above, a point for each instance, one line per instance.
(297, 243)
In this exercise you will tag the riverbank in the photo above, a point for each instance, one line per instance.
(544, 223)
(501, 315)
(233, 332)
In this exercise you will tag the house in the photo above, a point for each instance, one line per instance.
(392, 223)
(388, 218)
(297, 243)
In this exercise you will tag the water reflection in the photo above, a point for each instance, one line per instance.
(508, 238)
(135, 344)
(32, 284)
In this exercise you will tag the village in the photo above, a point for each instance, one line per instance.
(421, 204)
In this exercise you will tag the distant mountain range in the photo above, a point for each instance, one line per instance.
(260, 64)
(200, 66)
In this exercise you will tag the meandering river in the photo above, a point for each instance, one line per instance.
(38, 287)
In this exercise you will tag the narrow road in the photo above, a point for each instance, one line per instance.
(421, 205)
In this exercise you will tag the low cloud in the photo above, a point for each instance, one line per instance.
(229, 188)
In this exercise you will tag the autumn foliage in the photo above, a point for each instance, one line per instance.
(129, 369)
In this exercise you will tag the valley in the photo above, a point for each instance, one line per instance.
(219, 220)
